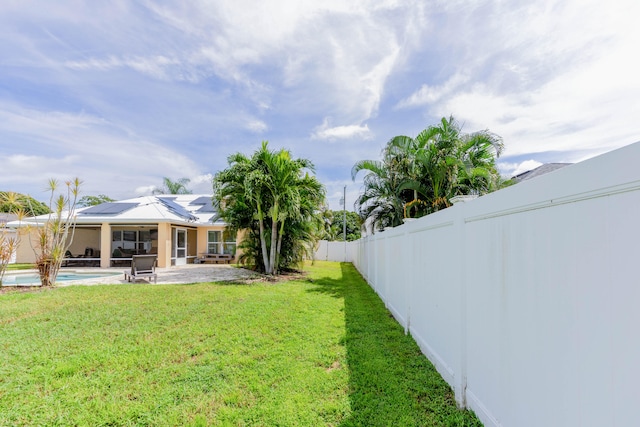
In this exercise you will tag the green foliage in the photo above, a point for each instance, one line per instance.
(12, 202)
(54, 234)
(8, 246)
(335, 226)
(94, 200)
(173, 187)
(271, 197)
(418, 176)
(10, 239)
(319, 351)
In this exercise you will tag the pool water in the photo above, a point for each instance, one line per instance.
(23, 279)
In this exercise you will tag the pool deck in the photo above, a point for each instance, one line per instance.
(190, 273)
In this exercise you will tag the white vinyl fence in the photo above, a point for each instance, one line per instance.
(526, 300)
(335, 251)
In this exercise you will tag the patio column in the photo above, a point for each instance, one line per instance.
(164, 245)
(105, 245)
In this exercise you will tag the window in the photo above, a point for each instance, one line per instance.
(221, 242)
(213, 242)
(229, 242)
(132, 241)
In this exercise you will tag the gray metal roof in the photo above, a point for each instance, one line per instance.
(540, 170)
(178, 209)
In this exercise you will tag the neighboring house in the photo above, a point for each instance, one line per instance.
(10, 233)
(540, 170)
(6, 217)
(179, 228)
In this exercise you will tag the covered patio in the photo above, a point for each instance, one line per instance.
(180, 229)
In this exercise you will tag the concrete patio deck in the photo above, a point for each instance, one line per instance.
(190, 273)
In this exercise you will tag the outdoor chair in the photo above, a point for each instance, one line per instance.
(65, 260)
(142, 266)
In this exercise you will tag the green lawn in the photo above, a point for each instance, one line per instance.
(11, 267)
(321, 351)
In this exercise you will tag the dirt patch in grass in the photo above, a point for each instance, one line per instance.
(285, 276)
(21, 289)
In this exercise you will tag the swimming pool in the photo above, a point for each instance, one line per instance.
(33, 278)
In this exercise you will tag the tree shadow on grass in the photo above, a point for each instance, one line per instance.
(391, 383)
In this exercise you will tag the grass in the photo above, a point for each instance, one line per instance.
(11, 267)
(310, 352)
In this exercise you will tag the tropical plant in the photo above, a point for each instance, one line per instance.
(54, 234)
(8, 247)
(10, 239)
(11, 202)
(94, 200)
(381, 201)
(271, 197)
(418, 176)
(335, 227)
(173, 187)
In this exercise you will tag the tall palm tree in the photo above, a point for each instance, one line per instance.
(381, 201)
(173, 187)
(444, 163)
(271, 194)
(419, 175)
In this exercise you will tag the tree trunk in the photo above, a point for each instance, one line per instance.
(274, 239)
(263, 242)
(280, 234)
(44, 271)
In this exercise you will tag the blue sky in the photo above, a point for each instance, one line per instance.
(123, 93)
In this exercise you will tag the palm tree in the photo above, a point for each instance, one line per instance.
(479, 151)
(381, 201)
(173, 187)
(11, 202)
(270, 195)
(419, 175)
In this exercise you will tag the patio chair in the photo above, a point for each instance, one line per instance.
(65, 260)
(142, 266)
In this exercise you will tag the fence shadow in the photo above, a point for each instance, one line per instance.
(391, 383)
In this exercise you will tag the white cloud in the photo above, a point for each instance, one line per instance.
(159, 67)
(430, 94)
(512, 169)
(145, 190)
(257, 126)
(335, 191)
(575, 90)
(326, 132)
(108, 160)
(339, 51)
(201, 184)
(179, 86)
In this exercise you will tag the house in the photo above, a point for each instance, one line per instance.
(540, 170)
(181, 229)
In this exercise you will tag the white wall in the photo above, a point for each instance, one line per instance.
(527, 300)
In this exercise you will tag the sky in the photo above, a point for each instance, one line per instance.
(123, 93)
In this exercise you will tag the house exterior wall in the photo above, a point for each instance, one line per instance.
(203, 238)
(100, 240)
(85, 238)
(24, 253)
